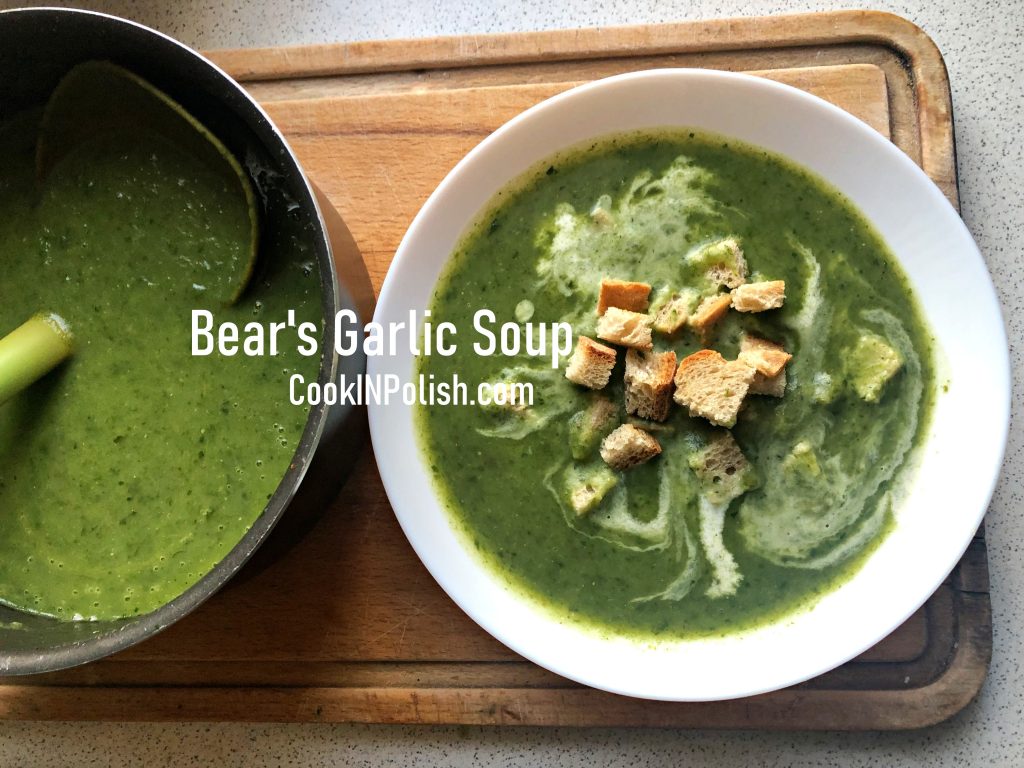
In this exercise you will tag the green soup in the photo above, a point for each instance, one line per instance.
(134, 468)
(649, 560)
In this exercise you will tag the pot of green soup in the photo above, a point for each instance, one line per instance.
(141, 186)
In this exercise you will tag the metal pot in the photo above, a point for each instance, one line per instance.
(36, 48)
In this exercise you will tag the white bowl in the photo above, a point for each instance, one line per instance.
(959, 464)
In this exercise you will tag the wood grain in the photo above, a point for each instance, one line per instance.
(349, 144)
(908, 56)
(348, 625)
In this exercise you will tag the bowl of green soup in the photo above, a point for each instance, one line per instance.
(149, 201)
(721, 394)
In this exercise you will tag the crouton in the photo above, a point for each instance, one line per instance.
(723, 261)
(870, 366)
(769, 360)
(766, 356)
(713, 387)
(628, 446)
(759, 297)
(710, 311)
(588, 489)
(673, 314)
(587, 427)
(624, 295)
(591, 364)
(649, 383)
(621, 326)
(722, 469)
(772, 386)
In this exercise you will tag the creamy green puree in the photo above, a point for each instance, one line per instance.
(656, 558)
(131, 470)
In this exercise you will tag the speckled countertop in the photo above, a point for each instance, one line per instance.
(983, 43)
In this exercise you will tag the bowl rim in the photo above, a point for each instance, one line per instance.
(393, 476)
(129, 631)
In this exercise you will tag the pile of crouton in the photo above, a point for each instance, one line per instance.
(705, 383)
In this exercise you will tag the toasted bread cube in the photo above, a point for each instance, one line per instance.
(672, 315)
(629, 329)
(624, 295)
(723, 261)
(713, 387)
(589, 489)
(710, 311)
(759, 297)
(628, 446)
(773, 386)
(769, 360)
(587, 427)
(766, 356)
(870, 366)
(649, 382)
(591, 364)
(722, 469)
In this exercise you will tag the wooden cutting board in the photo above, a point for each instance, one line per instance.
(347, 625)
